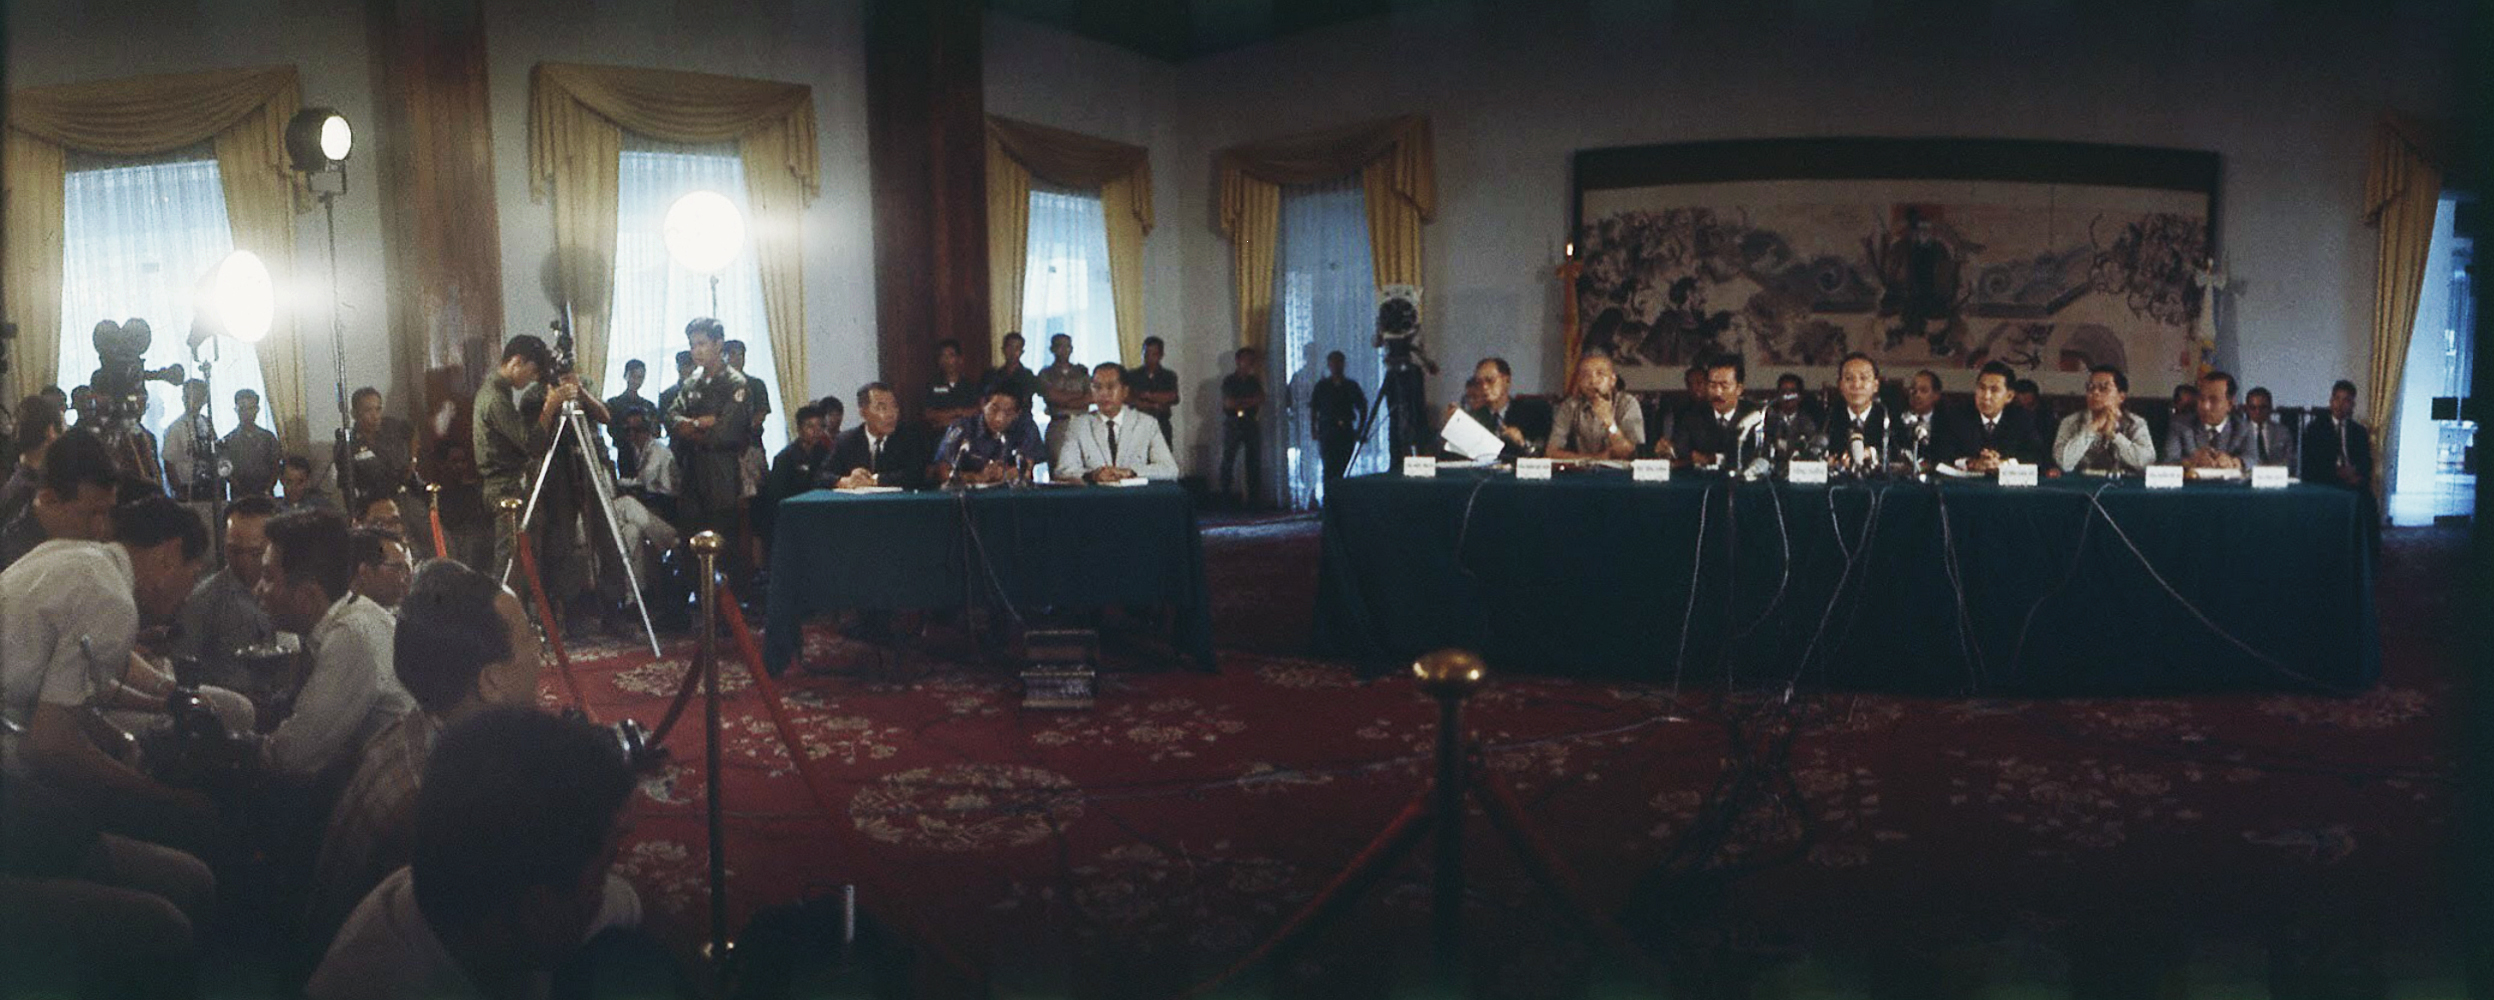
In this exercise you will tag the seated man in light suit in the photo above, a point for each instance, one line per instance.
(2271, 443)
(1114, 441)
(2214, 439)
(2104, 438)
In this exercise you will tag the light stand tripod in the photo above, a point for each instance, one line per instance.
(337, 338)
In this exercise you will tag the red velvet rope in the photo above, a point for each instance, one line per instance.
(554, 628)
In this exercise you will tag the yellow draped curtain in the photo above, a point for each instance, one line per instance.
(1398, 172)
(577, 115)
(1018, 151)
(244, 111)
(2401, 189)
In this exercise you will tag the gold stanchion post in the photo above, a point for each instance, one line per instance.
(1450, 676)
(706, 548)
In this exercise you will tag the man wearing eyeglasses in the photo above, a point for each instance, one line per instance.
(2104, 439)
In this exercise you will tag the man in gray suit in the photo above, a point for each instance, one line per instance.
(1114, 441)
(2271, 443)
(2215, 439)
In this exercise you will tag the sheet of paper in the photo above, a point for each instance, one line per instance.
(1465, 436)
(868, 489)
(1136, 481)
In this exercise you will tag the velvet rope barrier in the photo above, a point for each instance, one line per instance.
(545, 612)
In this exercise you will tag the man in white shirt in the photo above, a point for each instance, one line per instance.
(190, 448)
(383, 572)
(221, 616)
(2104, 438)
(350, 692)
(1113, 442)
(518, 819)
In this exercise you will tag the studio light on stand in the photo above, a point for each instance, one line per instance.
(235, 299)
(319, 140)
(704, 233)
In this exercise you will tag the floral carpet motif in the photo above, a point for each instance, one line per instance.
(1189, 813)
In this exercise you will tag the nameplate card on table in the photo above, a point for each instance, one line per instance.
(1532, 468)
(1806, 473)
(1419, 467)
(2268, 477)
(2017, 473)
(2164, 477)
(1649, 470)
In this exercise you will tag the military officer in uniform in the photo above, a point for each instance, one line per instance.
(712, 423)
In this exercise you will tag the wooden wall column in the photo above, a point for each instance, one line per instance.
(927, 139)
(434, 147)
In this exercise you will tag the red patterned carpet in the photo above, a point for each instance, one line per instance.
(1140, 847)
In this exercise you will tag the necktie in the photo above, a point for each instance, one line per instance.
(2260, 442)
(874, 453)
(1112, 440)
(2342, 443)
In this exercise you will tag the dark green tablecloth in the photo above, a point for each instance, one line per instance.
(1062, 547)
(2067, 587)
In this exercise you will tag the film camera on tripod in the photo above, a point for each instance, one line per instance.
(118, 396)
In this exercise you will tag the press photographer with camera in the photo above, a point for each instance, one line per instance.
(70, 615)
(517, 415)
(117, 393)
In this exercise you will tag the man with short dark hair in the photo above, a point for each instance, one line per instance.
(755, 464)
(712, 425)
(462, 645)
(250, 449)
(2030, 397)
(379, 456)
(2211, 438)
(38, 422)
(70, 614)
(73, 500)
(190, 448)
(382, 569)
(382, 513)
(2271, 443)
(1242, 423)
(517, 821)
(1011, 374)
(666, 396)
(1860, 434)
(1790, 428)
(1154, 389)
(294, 475)
(1524, 424)
(2104, 438)
(1710, 438)
(2336, 449)
(995, 445)
(349, 693)
(1114, 442)
(1336, 404)
(1916, 423)
(636, 372)
(953, 396)
(1994, 430)
(879, 451)
(794, 469)
(221, 616)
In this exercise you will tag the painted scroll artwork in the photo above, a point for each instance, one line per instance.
(1944, 274)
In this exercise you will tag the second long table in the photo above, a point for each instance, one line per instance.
(1060, 547)
(2072, 586)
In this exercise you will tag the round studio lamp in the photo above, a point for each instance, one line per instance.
(1450, 672)
(704, 232)
(318, 139)
(242, 298)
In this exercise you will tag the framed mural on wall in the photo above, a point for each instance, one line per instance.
(1923, 253)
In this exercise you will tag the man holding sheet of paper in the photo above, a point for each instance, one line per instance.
(1517, 426)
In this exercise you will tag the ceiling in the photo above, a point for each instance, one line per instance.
(1179, 30)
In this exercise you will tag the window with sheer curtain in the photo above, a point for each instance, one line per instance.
(655, 296)
(1065, 288)
(137, 237)
(1324, 300)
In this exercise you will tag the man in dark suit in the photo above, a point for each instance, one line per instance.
(2335, 448)
(1993, 430)
(879, 451)
(1858, 431)
(1709, 436)
(1524, 424)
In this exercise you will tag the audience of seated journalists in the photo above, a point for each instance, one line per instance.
(417, 826)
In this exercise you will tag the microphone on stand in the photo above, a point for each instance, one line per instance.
(1742, 431)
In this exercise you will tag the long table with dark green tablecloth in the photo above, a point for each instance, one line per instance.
(1048, 547)
(2072, 586)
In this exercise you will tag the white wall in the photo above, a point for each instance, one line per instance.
(815, 43)
(1042, 75)
(819, 43)
(1512, 89)
(74, 41)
